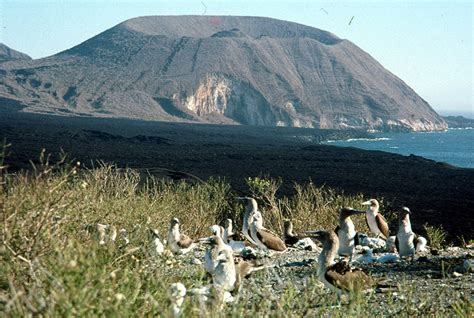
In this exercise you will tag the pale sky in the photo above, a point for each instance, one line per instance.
(428, 44)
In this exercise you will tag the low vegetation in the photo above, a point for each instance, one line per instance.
(52, 264)
(436, 236)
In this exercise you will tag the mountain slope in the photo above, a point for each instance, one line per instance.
(8, 54)
(221, 69)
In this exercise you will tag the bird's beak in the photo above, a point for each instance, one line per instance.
(354, 211)
(366, 203)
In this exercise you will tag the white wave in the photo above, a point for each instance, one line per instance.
(362, 139)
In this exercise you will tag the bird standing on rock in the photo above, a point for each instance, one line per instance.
(177, 242)
(251, 208)
(346, 232)
(157, 246)
(265, 239)
(407, 243)
(289, 237)
(341, 278)
(375, 221)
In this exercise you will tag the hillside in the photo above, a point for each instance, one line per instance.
(8, 54)
(219, 69)
(459, 122)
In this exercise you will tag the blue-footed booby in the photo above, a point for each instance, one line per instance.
(265, 239)
(297, 241)
(346, 232)
(407, 242)
(177, 242)
(339, 277)
(289, 237)
(375, 221)
(250, 208)
(157, 246)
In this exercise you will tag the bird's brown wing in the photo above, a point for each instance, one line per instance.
(237, 236)
(382, 225)
(270, 240)
(184, 241)
(349, 280)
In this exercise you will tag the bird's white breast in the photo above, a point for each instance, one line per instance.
(406, 246)
(346, 239)
(372, 223)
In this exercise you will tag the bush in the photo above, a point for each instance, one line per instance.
(436, 236)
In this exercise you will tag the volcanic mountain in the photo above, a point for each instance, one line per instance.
(219, 69)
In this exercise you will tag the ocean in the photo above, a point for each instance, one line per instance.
(454, 146)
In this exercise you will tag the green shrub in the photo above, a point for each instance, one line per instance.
(436, 236)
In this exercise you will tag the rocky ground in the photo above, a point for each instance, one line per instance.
(435, 285)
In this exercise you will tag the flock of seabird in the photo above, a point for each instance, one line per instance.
(231, 255)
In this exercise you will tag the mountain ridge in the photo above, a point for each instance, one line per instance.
(220, 69)
(9, 54)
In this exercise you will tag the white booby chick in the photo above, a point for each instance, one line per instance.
(216, 246)
(346, 232)
(224, 276)
(372, 242)
(367, 256)
(233, 239)
(421, 245)
(177, 242)
(250, 208)
(406, 241)
(217, 230)
(157, 246)
(339, 277)
(388, 258)
(265, 239)
(375, 221)
(390, 244)
(177, 294)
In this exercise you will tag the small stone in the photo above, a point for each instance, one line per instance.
(468, 265)
(196, 261)
(456, 274)
(453, 249)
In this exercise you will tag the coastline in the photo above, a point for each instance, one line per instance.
(437, 192)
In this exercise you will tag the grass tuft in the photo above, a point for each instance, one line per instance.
(436, 236)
